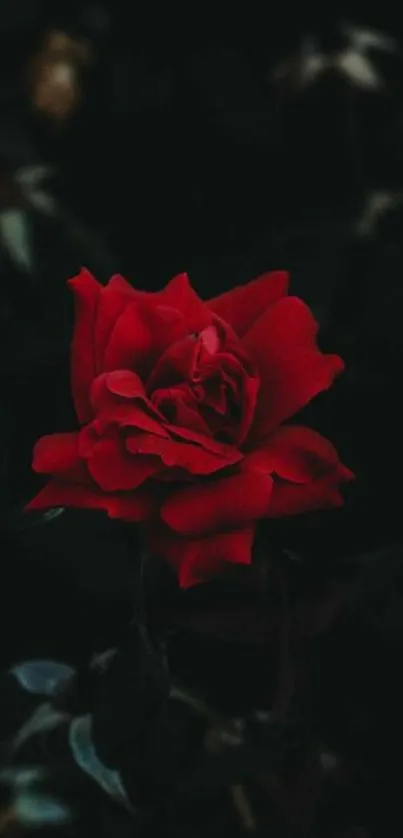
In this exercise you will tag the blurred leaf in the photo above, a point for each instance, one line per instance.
(83, 751)
(43, 677)
(44, 718)
(15, 237)
(33, 810)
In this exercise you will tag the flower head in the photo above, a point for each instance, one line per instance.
(182, 406)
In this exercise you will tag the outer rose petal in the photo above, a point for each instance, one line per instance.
(213, 507)
(173, 314)
(147, 327)
(113, 301)
(323, 493)
(168, 315)
(282, 344)
(129, 341)
(119, 284)
(115, 470)
(297, 454)
(55, 453)
(178, 295)
(134, 506)
(87, 292)
(242, 306)
(58, 454)
(198, 561)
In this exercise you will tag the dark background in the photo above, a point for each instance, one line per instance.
(187, 152)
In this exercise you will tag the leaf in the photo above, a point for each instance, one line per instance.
(42, 677)
(100, 661)
(15, 238)
(22, 776)
(83, 750)
(359, 70)
(30, 180)
(363, 38)
(33, 810)
(44, 718)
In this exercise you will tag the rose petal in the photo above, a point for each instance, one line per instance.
(129, 342)
(87, 292)
(55, 453)
(129, 416)
(123, 384)
(126, 384)
(58, 454)
(113, 301)
(251, 387)
(172, 314)
(87, 440)
(210, 340)
(179, 294)
(221, 449)
(175, 365)
(198, 561)
(147, 327)
(119, 284)
(323, 493)
(114, 469)
(192, 458)
(186, 416)
(214, 507)
(115, 408)
(295, 453)
(134, 506)
(242, 306)
(282, 344)
(138, 506)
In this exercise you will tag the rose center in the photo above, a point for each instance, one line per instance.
(203, 385)
(210, 404)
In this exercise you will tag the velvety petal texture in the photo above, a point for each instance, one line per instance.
(282, 343)
(181, 407)
(242, 306)
(198, 560)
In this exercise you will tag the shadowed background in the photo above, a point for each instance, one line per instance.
(154, 141)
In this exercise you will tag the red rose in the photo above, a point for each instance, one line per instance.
(181, 405)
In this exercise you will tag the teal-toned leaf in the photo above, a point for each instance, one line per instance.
(42, 677)
(83, 751)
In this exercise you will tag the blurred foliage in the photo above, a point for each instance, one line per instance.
(269, 701)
